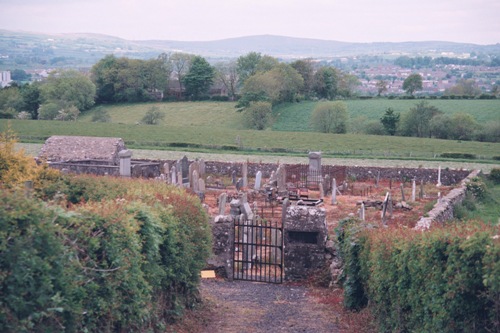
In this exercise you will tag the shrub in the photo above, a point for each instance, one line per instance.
(101, 115)
(495, 175)
(330, 117)
(459, 155)
(443, 280)
(258, 115)
(476, 187)
(153, 116)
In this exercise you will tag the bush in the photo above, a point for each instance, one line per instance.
(443, 280)
(476, 187)
(495, 175)
(258, 115)
(330, 117)
(153, 116)
(459, 155)
(125, 256)
(101, 115)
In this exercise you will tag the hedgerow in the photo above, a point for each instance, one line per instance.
(99, 254)
(444, 280)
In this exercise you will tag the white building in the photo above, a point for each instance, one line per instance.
(5, 78)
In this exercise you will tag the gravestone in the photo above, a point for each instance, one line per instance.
(201, 185)
(222, 203)
(334, 191)
(362, 212)
(314, 171)
(202, 167)
(166, 168)
(195, 182)
(439, 177)
(244, 172)
(239, 184)
(258, 180)
(233, 177)
(173, 176)
(235, 207)
(281, 178)
(413, 190)
(184, 169)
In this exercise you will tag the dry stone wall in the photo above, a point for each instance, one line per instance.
(444, 209)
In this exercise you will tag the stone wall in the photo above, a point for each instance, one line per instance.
(444, 209)
(448, 176)
(87, 168)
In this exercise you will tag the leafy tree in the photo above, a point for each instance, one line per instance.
(464, 87)
(347, 84)
(417, 121)
(101, 115)
(246, 65)
(20, 75)
(153, 116)
(199, 79)
(181, 62)
(413, 83)
(306, 70)
(441, 126)
(330, 117)
(266, 63)
(258, 115)
(69, 87)
(31, 98)
(463, 126)
(374, 128)
(227, 75)
(49, 111)
(10, 99)
(390, 121)
(381, 87)
(326, 82)
(68, 114)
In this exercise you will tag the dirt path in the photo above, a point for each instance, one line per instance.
(250, 307)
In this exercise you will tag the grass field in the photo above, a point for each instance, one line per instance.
(295, 117)
(208, 126)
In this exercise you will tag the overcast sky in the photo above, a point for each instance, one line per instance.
(473, 21)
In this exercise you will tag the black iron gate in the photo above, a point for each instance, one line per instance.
(258, 250)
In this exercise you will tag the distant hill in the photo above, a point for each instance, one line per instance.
(28, 49)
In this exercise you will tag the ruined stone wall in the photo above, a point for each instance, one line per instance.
(444, 209)
(305, 241)
(222, 243)
(93, 168)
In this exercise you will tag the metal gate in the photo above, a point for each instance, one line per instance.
(258, 250)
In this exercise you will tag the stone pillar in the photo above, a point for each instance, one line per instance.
(413, 190)
(258, 180)
(334, 191)
(125, 163)
(244, 173)
(439, 177)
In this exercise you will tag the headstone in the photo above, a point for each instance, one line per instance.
(166, 168)
(402, 192)
(195, 166)
(201, 185)
(179, 178)
(439, 177)
(173, 175)
(258, 180)
(222, 203)
(281, 178)
(233, 177)
(362, 212)
(247, 211)
(314, 173)
(413, 190)
(184, 164)
(195, 182)
(125, 163)
(272, 178)
(326, 184)
(202, 167)
(244, 172)
(321, 191)
(334, 191)
(239, 184)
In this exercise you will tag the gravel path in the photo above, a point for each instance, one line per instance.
(251, 307)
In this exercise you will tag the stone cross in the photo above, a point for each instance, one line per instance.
(258, 180)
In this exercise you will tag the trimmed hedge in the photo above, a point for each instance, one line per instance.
(99, 255)
(459, 155)
(444, 280)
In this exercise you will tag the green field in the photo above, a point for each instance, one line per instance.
(217, 126)
(295, 117)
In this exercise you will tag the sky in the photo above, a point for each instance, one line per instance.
(469, 21)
